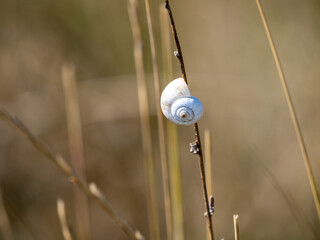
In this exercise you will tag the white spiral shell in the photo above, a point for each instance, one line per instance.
(178, 105)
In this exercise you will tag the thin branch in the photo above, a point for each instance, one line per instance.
(73, 178)
(176, 39)
(236, 226)
(195, 126)
(292, 113)
(162, 144)
(144, 120)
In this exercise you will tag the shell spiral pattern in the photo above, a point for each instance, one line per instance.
(178, 105)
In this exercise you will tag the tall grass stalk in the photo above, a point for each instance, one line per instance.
(161, 133)
(292, 113)
(178, 54)
(144, 120)
(77, 158)
(61, 209)
(172, 133)
(5, 227)
(89, 189)
(236, 226)
(207, 161)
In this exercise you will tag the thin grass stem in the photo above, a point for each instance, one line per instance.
(172, 133)
(236, 226)
(293, 114)
(207, 159)
(195, 126)
(144, 120)
(71, 175)
(77, 157)
(63, 219)
(162, 143)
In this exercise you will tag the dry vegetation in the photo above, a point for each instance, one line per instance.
(257, 168)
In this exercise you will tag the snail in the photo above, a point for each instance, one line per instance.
(178, 105)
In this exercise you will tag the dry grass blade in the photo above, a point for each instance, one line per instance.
(174, 160)
(162, 144)
(292, 113)
(207, 159)
(63, 219)
(236, 226)
(144, 119)
(77, 158)
(68, 171)
(196, 128)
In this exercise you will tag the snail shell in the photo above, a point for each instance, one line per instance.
(178, 105)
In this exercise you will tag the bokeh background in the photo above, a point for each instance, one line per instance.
(230, 68)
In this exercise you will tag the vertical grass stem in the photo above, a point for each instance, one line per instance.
(63, 219)
(174, 161)
(76, 148)
(207, 159)
(144, 120)
(162, 144)
(236, 226)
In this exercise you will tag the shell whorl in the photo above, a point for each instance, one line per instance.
(178, 105)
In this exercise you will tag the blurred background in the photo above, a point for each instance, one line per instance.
(230, 68)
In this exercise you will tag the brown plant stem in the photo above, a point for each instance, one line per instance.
(88, 189)
(195, 126)
(144, 120)
(162, 144)
(293, 114)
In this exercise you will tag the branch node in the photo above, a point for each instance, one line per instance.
(72, 179)
(211, 205)
(194, 147)
(176, 53)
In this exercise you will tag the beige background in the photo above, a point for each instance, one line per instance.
(230, 68)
